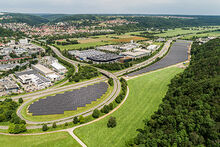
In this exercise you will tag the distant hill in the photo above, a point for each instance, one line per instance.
(52, 17)
(24, 18)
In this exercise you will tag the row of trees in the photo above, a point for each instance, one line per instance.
(189, 114)
(67, 42)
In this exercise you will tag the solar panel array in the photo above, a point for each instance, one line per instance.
(177, 54)
(69, 100)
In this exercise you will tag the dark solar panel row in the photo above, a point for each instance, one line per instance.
(69, 100)
(177, 54)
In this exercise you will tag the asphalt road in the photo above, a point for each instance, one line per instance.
(85, 83)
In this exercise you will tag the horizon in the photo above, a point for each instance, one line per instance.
(162, 7)
(147, 14)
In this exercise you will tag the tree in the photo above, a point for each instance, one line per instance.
(110, 82)
(20, 100)
(16, 128)
(75, 120)
(111, 106)
(44, 127)
(54, 125)
(105, 109)
(66, 124)
(96, 113)
(81, 119)
(111, 122)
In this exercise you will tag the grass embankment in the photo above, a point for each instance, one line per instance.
(146, 93)
(40, 118)
(61, 139)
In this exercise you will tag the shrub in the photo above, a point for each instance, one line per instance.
(20, 100)
(44, 127)
(16, 128)
(66, 124)
(110, 82)
(96, 113)
(54, 125)
(111, 122)
(75, 120)
(105, 109)
(111, 106)
(81, 119)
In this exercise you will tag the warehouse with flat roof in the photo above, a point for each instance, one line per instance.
(105, 58)
(42, 69)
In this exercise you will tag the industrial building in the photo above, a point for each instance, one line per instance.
(136, 53)
(152, 47)
(32, 80)
(8, 86)
(42, 69)
(59, 68)
(84, 55)
(110, 48)
(104, 58)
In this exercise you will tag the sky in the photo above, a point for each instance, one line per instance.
(185, 7)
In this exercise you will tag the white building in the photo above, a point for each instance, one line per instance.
(23, 41)
(53, 77)
(59, 67)
(42, 69)
(152, 47)
(136, 53)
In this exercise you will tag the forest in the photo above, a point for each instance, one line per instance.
(190, 112)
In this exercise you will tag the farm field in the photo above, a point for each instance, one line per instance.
(179, 31)
(100, 40)
(146, 93)
(211, 34)
(61, 139)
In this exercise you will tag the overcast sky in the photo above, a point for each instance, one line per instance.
(201, 7)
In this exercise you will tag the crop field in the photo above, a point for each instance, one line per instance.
(39, 118)
(179, 31)
(146, 93)
(100, 40)
(61, 139)
(178, 53)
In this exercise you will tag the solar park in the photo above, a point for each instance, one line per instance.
(178, 53)
(69, 100)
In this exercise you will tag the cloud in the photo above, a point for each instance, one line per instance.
(113, 6)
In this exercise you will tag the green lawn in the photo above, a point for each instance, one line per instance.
(61, 139)
(210, 34)
(179, 31)
(146, 93)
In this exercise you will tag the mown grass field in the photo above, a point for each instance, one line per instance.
(40, 118)
(61, 139)
(211, 34)
(146, 93)
(179, 31)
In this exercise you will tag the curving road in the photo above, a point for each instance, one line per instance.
(85, 83)
(111, 97)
